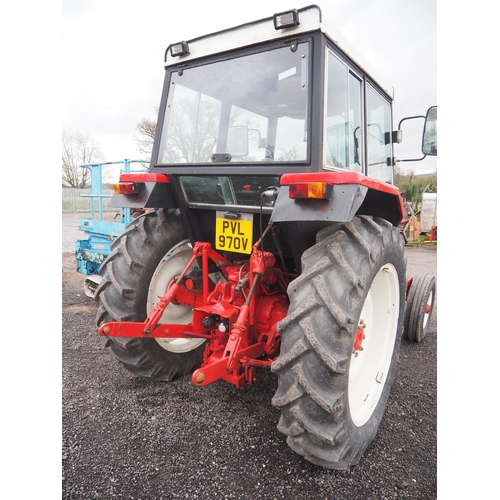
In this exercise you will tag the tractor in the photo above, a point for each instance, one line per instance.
(273, 240)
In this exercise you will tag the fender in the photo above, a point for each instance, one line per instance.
(352, 194)
(150, 190)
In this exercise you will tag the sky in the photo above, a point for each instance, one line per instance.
(113, 51)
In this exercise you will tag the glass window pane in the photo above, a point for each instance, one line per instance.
(337, 124)
(266, 92)
(291, 137)
(256, 126)
(344, 140)
(193, 124)
(378, 130)
(356, 124)
(231, 190)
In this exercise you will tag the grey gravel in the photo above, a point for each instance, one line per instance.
(135, 439)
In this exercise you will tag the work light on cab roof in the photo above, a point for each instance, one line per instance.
(179, 49)
(287, 19)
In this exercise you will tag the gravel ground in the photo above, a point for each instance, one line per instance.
(135, 439)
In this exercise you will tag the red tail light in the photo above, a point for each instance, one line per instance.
(310, 190)
(125, 188)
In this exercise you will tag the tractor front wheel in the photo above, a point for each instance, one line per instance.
(145, 259)
(340, 341)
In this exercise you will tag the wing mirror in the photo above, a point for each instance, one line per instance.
(429, 137)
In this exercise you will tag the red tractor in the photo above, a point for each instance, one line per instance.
(274, 240)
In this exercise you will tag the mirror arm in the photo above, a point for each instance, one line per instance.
(409, 118)
(412, 159)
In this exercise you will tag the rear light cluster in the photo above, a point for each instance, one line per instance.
(310, 190)
(125, 187)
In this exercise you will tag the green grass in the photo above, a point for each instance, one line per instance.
(421, 242)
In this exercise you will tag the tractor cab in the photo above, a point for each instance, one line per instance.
(283, 94)
(256, 117)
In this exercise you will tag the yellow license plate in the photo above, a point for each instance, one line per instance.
(234, 235)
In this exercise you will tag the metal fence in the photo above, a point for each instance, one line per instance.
(73, 202)
(79, 200)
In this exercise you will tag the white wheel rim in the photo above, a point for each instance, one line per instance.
(427, 308)
(170, 267)
(370, 365)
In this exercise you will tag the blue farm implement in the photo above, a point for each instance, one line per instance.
(91, 252)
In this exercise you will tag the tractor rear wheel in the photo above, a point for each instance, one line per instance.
(340, 341)
(145, 259)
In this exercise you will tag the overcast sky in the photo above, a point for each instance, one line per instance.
(113, 57)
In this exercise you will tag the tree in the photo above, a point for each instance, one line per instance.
(399, 177)
(146, 129)
(78, 149)
(412, 185)
(410, 189)
(192, 132)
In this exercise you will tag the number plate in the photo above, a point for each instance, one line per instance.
(234, 235)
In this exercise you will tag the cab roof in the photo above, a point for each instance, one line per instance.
(263, 30)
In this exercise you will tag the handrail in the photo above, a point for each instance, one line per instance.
(96, 186)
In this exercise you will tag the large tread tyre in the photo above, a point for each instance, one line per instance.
(332, 397)
(127, 274)
(419, 307)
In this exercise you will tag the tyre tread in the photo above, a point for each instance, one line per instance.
(121, 295)
(317, 338)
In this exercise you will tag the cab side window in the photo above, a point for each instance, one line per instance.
(344, 132)
(378, 131)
